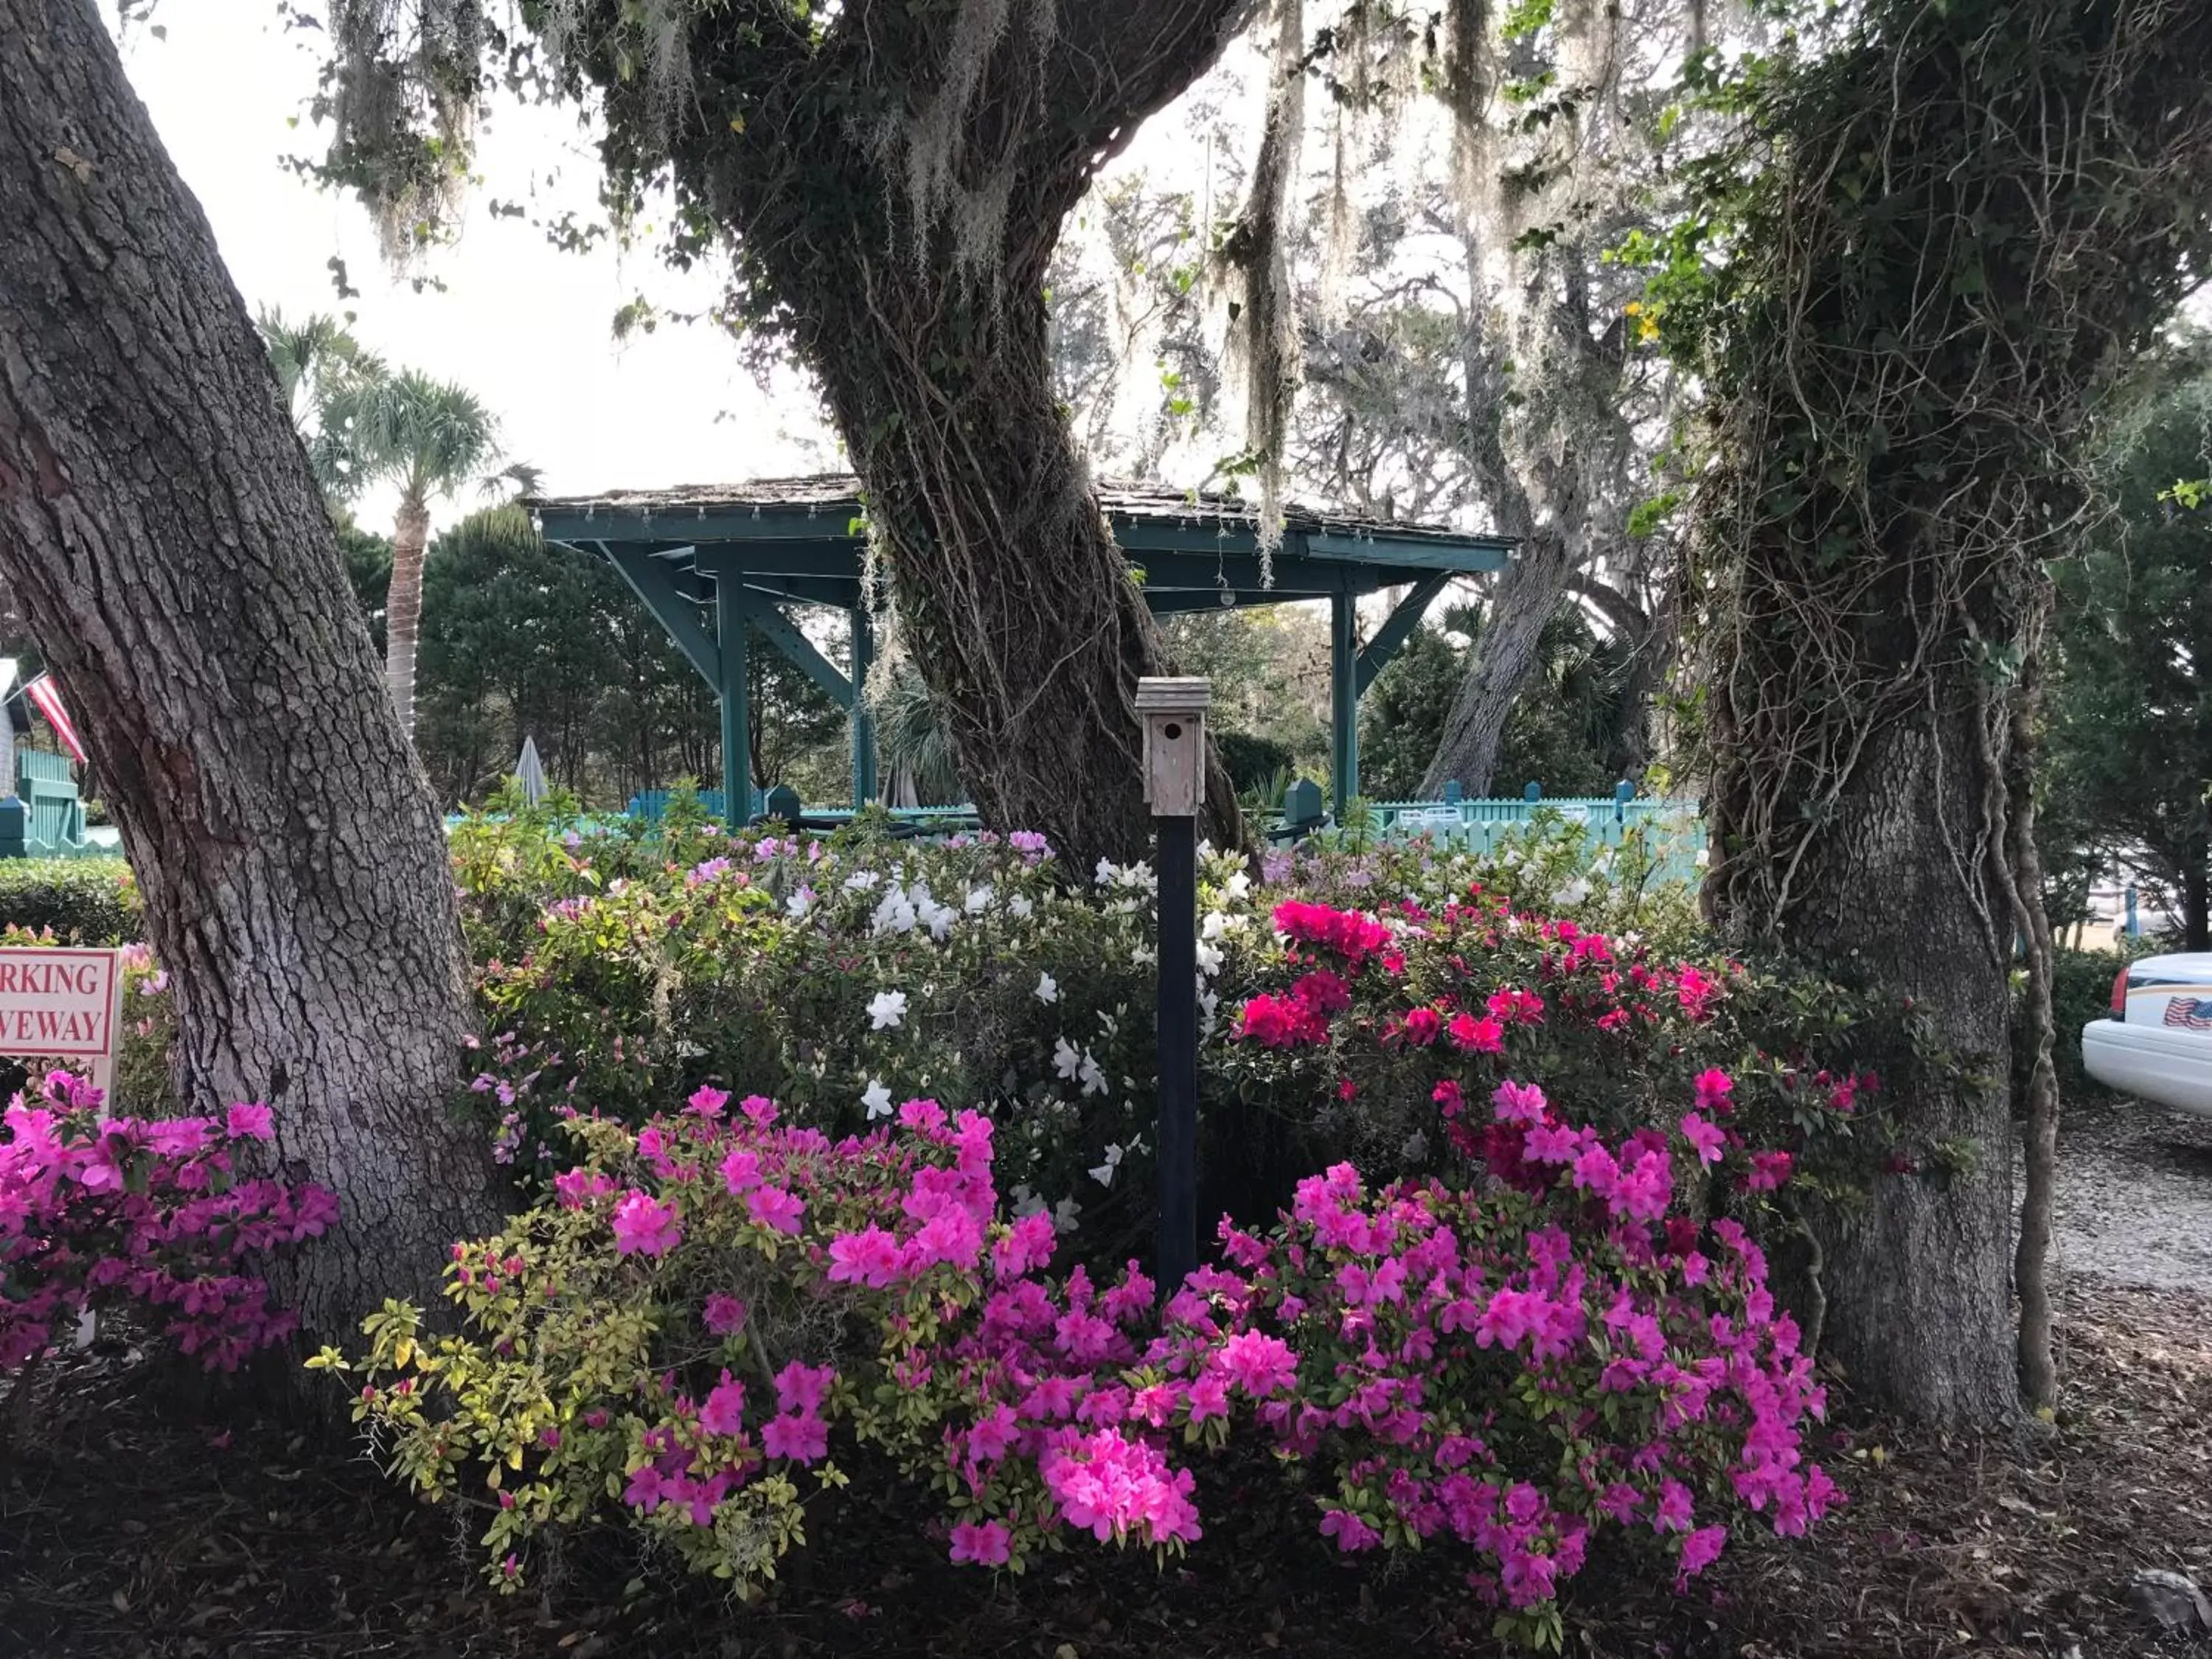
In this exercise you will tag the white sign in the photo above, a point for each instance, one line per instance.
(62, 1004)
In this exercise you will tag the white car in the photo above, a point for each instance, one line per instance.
(2158, 1042)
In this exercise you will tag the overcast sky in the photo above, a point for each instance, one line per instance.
(527, 327)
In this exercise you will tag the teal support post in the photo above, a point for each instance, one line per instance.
(736, 693)
(1343, 703)
(1535, 792)
(864, 726)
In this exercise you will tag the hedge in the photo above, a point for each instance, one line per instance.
(84, 901)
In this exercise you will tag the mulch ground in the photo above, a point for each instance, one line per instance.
(137, 1521)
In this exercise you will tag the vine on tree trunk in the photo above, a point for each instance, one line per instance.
(1942, 232)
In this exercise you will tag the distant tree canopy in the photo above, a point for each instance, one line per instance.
(2129, 743)
(1564, 732)
(521, 639)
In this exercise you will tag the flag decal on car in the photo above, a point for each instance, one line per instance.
(2189, 1014)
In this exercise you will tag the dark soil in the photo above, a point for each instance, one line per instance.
(134, 1522)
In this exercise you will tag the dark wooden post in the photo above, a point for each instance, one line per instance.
(1174, 712)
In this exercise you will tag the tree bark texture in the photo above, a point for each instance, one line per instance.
(403, 609)
(1899, 889)
(1528, 596)
(159, 526)
(2195, 897)
(905, 257)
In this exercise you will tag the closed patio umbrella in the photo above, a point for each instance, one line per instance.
(530, 772)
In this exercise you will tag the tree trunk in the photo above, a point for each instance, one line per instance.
(2196, 900)
(403, 609)
(1897, 889)
(159, 527)
(1017, 605)
(905, 255)
(1527, 597)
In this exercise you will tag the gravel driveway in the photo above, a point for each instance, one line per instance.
(2133, 1204)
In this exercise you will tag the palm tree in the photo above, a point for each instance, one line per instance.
(308, 356)
(428, 438)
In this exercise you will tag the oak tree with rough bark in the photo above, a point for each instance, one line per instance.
(161, 532)
(892, 179)
(1948, 230)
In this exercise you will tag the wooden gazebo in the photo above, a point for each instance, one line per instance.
(745, 551)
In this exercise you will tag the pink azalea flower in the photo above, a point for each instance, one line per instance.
(644, 1226)
(1714, 1087)
(249, 1120)
(1707, 1139)
(1518, 1102)
(801, 1389)
(723, 1410)
(803, 1439)
(985, 1544)
(870, 1257)
(1769, 1170)
(772, 1206)
(724, 1314)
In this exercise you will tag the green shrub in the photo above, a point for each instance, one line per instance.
(83, 901)
(1251, 760)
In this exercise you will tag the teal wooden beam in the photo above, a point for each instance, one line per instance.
(1466, 555)
(736, 693)
(654, 583)
(863, 724)
(1398, 627)
(778, 629)
(1343, 703)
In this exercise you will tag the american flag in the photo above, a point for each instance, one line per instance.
(45, 696)
(2188, 1014)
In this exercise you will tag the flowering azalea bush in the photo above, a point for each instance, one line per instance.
(97, 1211)
(711, 1310)
(840, 975)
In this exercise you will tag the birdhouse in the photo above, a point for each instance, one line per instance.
(1174, 713)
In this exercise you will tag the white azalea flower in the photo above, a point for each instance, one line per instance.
(1104, 1173)
(1105, 873)
(799, 903)
(1066, 1059)
(1209, 959)
(860, 881)
(1026, 1202)
(1238, 884)
(978, 900)
(886, 1009)
(1064, 1214)
(895, 914)
(1021, 906)
(1212, 924)
(1048, 988)
(877, 1100)
(1093, 1075)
